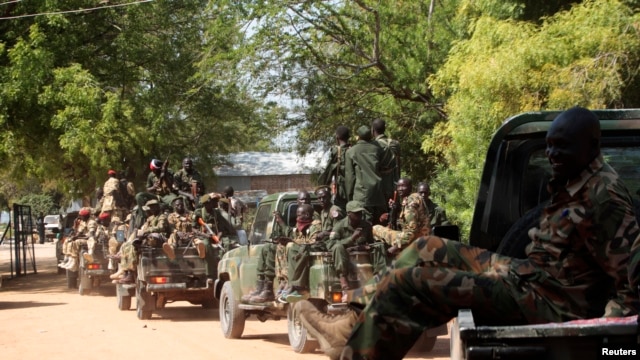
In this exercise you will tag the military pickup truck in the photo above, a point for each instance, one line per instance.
(237, 276)
(511, 195)
(160, 280)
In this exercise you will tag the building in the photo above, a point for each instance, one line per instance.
(270, 172)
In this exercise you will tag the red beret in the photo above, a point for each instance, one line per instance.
(111, 172)
(84, 212)
(104, 216)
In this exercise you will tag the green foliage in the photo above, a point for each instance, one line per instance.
(585, 56)
(39, 203)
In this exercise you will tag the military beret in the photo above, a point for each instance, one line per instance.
(152, 202)
(104, 216)
(85, 211)
(355, 206)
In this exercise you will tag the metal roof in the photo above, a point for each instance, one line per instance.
(265, 164)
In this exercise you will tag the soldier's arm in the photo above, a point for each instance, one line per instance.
(349, 175)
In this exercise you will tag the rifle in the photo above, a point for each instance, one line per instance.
(194, 193)
(393, 213)
(165, 182)
(210, 233)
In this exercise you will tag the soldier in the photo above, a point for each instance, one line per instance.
(189, 183)
(225, 211)
(266, 266)
(83, 228)
(581, 262)
(437, 215)
(412, 219)
(330, 213)
(237, 208)
(221, 228)
(153, 232)
(334, 173)
(114, 197)
(350, 231)
(295, 254)
(362, 177)
(181, 222)
(102, 233)
(159, 185)
(390, 162)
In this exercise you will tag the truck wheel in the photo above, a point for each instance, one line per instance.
(124, 302)
(72, 279)
(82, 288)
(143, 301)
(231, 316)
(424, 344)
(298, 337)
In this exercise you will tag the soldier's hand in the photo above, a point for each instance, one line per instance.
(322, 235)
(356, 234)
(393, 250)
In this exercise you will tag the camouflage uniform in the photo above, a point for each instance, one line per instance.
(84, 232)
(297, 254)
(413, 219)
(183, 182)
(580, 251)
(164, 193)
(181, 225)
(157, 224)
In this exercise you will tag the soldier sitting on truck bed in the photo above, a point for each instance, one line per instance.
(217, 226)
(582, 262)
(153, 232)
(410, 221)
(181, 222)
(83, 229)
(101, 234)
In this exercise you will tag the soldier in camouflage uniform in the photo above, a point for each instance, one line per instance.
(576, 267)
(181, 223)
(413, 220)
(330, 213)
(83, 229)
(222, 229)
(153, 232)
(101, 234)
(189, 183)
(437, 215)
(296, 254)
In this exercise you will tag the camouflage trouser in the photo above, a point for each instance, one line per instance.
(211, 257)
(298, 262)
(129, 256)
(266, 262)
(114, 246)
(77, 244)
(282, 270)
(429, 282)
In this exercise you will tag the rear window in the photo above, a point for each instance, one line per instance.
(52, 219)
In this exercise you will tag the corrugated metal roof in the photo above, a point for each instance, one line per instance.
(264, 164)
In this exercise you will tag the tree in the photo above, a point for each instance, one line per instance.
(587, 55)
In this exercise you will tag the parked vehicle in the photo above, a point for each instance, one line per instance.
(52, 226)
(511, 195)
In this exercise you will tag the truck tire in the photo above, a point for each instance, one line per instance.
(144, 301)
(298, 337)
(82, 288)
(124, 302)
(231, 316)
(72, 279)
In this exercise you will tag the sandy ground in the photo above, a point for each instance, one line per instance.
(41, 319)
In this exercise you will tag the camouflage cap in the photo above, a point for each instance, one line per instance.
(355, 206)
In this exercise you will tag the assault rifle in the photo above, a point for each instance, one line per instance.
(393, 213)
(214, 237)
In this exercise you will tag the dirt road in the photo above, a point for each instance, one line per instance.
(41, 318)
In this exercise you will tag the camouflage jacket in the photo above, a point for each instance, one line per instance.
(157, 224)
(579, 255)
(413, 220)
(307, 236)
(181, 222)
(215, 220)
(84, 229)
(183, 181)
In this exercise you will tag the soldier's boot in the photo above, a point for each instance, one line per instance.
(265, 295)
(298, 294)
(127, 278)
(344, 283)
(200, 247)
(331, 331)
(118, 274)
(168, 250)
(259, 287)
(72, 265)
